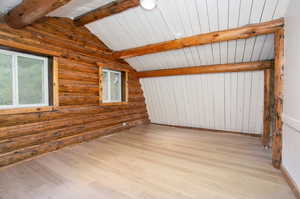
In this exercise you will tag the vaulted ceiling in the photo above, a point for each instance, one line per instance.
(174, 19)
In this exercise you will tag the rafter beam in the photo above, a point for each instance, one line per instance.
(30, 11)
(109, 9)
(202, 39)
(219, 68)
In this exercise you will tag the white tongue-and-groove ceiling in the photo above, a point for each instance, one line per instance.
(174, 19)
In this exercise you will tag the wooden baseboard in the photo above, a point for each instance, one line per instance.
(212, 130)
(291, 182)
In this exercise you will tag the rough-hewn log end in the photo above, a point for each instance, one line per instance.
(30, 11)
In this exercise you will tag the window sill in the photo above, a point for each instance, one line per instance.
(26, 110)
(112, 103)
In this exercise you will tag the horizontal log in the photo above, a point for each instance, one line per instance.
(78, 100)
(30, 41)
(25, 141)
(79, 68)
(19, 119)
(67, 25)
(67, 44)
(33, 128)
(36, 150)
(202, 39)
(219, 68)
(109, 9)
(62, 35)
(11, 43)
(64, 61)
(75, 75)
(79, 82)
(71, 88)
(65, 94)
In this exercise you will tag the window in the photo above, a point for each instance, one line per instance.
(113, 85)
(23, 80)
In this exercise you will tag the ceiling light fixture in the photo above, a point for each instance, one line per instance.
(148, 4)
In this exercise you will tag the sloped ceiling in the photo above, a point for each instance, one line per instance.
(180, 18)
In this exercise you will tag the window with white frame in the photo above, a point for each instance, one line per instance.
(112, 86)
(23, 80)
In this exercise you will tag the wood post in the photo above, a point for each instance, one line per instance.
(267, 107)
(278, 92)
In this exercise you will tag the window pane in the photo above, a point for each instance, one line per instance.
(6, 90)
(105, 86)
(115, 86)
(31, 80)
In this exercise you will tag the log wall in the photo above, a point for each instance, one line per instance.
(79, 116)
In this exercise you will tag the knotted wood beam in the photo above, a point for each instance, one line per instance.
(202, 39)
(219, 68)
(109, 9)
(30, 11)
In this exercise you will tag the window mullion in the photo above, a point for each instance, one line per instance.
(15, 81)
(120, 86)
(109, 96)
(45, 83)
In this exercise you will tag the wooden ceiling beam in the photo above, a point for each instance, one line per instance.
(109, 9)
(219, 68)
(202, 39)
(30, 11)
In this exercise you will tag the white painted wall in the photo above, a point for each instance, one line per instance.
(291, 129)
(224, 101)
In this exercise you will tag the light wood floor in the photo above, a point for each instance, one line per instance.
(150, 162)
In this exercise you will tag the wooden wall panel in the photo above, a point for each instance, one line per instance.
(79, 117)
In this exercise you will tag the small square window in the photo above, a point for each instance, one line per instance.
(113, 86)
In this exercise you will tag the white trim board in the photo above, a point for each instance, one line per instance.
(291, 122)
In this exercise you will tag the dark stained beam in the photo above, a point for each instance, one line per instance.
(109, 9)
(202, 39)
(30, 11)
(219, 68)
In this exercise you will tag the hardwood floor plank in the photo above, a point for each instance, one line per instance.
(151, 162)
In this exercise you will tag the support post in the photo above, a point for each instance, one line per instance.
(267, 108)
(278, 92)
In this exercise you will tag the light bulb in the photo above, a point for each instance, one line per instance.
(148, 4)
